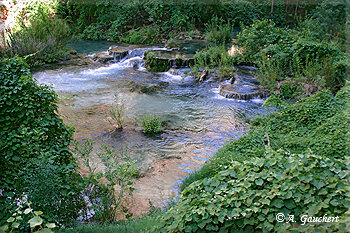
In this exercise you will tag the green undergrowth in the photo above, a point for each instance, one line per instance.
(248, 195)
(214, 58)
(34, 156)
(39, 35)
(319, 123)
(144, 224)
(299, 55)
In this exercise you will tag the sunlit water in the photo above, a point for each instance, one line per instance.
(196, 119)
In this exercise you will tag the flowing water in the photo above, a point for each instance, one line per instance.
(197, 121)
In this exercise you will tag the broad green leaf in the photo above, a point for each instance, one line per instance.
(35, 221)
(50, 225)
(28, 210)
(15, 225)
(38, 212)
(11, 219)
(4, 228)
(259, 182)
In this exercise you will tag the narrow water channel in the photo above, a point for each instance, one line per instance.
(197, 121)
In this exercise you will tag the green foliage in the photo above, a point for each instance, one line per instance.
(319, 122)
(151, 124)
(247, 196)
(142, 36)
(117, 113)
(119, 171)
(25, 220)
(35, 158)
(275, 101)
(212, 57)
(41, 40)
(329, 18)
(284, 53)
(138, 225)
(112, 19)
(217, 32)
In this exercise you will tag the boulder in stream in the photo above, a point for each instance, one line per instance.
(113, 54)
(163, 60)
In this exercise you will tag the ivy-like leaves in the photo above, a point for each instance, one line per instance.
(248, 196)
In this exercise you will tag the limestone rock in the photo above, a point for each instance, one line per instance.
(162, 60)
(242, 91)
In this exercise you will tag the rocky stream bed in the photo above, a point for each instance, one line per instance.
(197, 118)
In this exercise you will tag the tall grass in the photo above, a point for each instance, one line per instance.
(211, 57)
(41, 40)
(144, 224)
(218, 32)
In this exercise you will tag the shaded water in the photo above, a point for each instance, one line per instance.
(197, 121)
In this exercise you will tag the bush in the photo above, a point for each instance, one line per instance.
(261, 33)
(247, 196)
(319, 123)
(42, 40)
(217, 32)
(151, 124)
(25, 219)
(147, 35)
(35, 158)
(293, 54)
(212, 57)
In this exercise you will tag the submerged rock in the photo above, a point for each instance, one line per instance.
(145, 88)
(162, 60)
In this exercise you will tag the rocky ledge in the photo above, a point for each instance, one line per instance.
(243, 87)
(163, 60)
(114, 53)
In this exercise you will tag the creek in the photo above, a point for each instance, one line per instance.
(197, 121)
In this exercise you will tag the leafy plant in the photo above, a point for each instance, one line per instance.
(117, 113)
(119, 171)
(217, 32)
(295, 55)
(41, 40)
(25, 220)
(247, 196)
(141, 36)
(151, 124)
(34, 143)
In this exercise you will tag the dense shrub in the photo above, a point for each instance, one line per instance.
(115, 18)
(142, 36)
(218, 32)
(151, 124)
(35, 158)
(41, 40)
(284, 53)
(319, 123)
(211, 57)
(260, 34)
(247, 196)
(330, 19)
